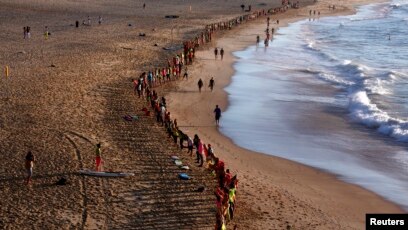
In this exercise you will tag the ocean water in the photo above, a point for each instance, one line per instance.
(331, 93)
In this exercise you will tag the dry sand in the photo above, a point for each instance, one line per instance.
(69, 92)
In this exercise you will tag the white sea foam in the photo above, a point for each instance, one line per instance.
(331, 78)
(395, 5)
(357, 72)
(393, 74)
(376, 86)
(373, 96)
(362, 110)
(311, 44)
(346, 62)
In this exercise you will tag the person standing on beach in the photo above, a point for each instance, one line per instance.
(89, 21)
(139, 88)
(200, 84)
(222, 53)
(216, 53)
(163, 113)
(46, 33)
(212, 83)
(196, 141)
(98, 157)
(217, 112)
(200, 151)
(210, 154)
(25, 32)
(28, 32)
(190, 146)
(29, 164)
(100, 20)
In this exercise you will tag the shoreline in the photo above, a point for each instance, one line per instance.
(364, 200)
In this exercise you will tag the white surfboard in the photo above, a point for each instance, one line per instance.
(104, 174)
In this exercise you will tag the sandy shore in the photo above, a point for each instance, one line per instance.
(69, 92)
(278, 193)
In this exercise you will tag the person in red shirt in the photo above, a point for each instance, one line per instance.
(227, 178)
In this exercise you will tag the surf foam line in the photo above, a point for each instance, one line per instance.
(363, 111)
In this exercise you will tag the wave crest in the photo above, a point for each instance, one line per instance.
(363, 111)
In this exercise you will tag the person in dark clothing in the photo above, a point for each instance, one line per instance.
(212, 83)
(200, 84)
(196, 142)
(217, 112)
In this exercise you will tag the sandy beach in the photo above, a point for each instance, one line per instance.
(70, 91)
(279, 192)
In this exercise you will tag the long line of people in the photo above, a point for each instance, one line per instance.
(225, 192)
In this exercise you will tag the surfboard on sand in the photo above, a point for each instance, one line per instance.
(184, 176)
(104, 173)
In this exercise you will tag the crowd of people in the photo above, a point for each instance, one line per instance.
(225, 192)
(177, 66)
(204, 154)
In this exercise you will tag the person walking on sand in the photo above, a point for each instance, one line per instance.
(216, 53)
(222, 53)
(29, 164)
(217, 112)
(212, 83)
(100, 20)
(190, 146)
(98, 157)
(200, 84)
